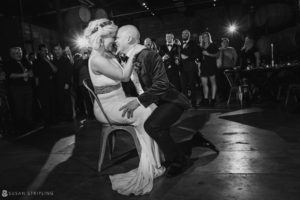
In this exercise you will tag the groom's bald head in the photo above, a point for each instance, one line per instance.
(126, 36)
(131, 31)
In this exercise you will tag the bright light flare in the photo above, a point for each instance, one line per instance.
(232, 28)
(81, 42)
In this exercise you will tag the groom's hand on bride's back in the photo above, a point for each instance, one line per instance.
(129, 108)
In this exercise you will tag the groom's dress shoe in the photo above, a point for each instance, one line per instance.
(166, 164)
(199, 140)
(177, 168)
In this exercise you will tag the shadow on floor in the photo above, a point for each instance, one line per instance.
(286, 125)
(26, 157)
(70, 178)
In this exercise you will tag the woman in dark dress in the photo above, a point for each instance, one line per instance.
(249, 54)
(250, 58)
(209, 68)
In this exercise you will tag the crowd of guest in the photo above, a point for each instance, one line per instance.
(47, 88)
(195, 65)
(191, 65)
(42, 90)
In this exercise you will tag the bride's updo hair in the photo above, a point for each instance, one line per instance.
(98, 29)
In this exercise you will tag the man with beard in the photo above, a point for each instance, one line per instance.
(188, 56)
(63, 84)
(170, 54)
(45, 71)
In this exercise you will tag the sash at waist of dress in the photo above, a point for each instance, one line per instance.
(106, 89)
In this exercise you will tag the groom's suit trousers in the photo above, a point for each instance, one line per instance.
(158, 127)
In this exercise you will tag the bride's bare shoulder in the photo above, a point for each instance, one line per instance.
(99, 63)
(98, 60)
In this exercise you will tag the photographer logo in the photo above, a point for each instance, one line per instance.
(4, 193)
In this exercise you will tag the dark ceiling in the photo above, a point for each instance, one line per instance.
(116, 8)
(44, 13)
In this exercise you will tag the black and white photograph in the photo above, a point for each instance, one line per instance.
(150, 99)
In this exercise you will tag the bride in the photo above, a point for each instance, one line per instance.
(106, 75)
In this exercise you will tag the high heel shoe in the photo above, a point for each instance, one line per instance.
(199, 140)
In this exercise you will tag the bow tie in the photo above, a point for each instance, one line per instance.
(169, 45)
(184, 42)
(123, 57)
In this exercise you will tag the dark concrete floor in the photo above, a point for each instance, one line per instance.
(259, 160)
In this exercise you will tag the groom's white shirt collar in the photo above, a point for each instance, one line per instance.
(134, 50)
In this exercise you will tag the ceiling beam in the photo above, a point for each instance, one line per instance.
(162, 8)
(61, 10)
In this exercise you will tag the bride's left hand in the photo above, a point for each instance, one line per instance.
(129, 108)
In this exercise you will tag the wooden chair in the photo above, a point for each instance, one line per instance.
(291, 88)
(234, 86)
(109, 128)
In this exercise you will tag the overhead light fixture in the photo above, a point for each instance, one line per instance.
(144, 4)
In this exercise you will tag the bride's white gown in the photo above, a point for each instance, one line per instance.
(140, 180)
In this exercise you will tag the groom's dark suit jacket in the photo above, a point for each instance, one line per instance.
(154, 81)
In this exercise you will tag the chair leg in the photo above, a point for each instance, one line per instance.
(113, 141)
(240, 91)
(136, 142)
(279, 93)
(111, 144)
(228, 101)
(287, 96)
(103, 141)
(296, 98)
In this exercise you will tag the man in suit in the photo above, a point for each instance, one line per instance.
(188, 56)
(170, 54)
(20, 81)
(45, 72)
(63, 84)
(157, 89)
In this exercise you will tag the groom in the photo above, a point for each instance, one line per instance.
(171, 103)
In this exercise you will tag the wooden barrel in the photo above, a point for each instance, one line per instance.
(75, 17)
(288, 40)
(264, 45)
(84, 14)
(273, 15)
(100, 13)
(245, 23)
(285, 42)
